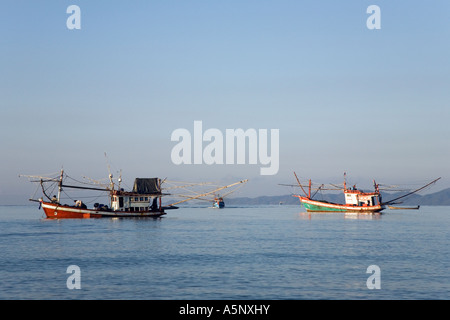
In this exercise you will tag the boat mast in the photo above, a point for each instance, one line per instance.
(309, 189)
(345, 182)
(60, 184)
(111, 184)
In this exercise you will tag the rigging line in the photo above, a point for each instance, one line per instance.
(410, 193)
(83, 183)
(50, 186)
(317, 191)
(53, 189)
(91, 197)
(109, 164)
(77, 180)
(93, 200)
(35, 191)
(190, 191)
(83, 197)
(68, 195)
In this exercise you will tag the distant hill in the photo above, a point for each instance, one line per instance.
(440, 198)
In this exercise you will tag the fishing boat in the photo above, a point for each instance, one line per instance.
(404, 208)
(211, 196)
(144, 200)
(356, 201)
(218, 203)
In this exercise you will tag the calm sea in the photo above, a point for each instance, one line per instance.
(267, 252)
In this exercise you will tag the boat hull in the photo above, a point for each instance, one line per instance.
(322, 206)
(404, 208)
(219, 204)
(56, 211)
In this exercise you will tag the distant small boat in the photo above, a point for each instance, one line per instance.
(404, 208)
(218, 203)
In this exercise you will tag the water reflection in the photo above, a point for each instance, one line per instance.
(332, 215)
(362, 216)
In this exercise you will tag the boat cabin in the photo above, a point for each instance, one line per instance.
(143, 197)
(358, 198)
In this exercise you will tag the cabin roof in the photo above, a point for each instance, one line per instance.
(147, 186)
(347, 191)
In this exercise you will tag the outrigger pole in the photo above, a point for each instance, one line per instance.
(207, 193)
(410, 193)
(87, 188)
(308, 194)
(302, 186)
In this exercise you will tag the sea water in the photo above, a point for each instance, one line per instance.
(265, 252)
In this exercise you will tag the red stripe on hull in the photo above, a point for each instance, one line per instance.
(55, 211)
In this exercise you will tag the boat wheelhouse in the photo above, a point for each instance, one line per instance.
(145, 196)
(355, 197)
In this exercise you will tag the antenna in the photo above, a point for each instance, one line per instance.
(345, 180)
(107, 164)
(109, 172)
(120, 179)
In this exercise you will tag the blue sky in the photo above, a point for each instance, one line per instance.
(373, 103)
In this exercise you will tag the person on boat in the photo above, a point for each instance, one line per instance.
(100, 206)
(154, 205)
(80, 204)
(54, 199)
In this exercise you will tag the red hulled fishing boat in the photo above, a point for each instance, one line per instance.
(144, 200)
